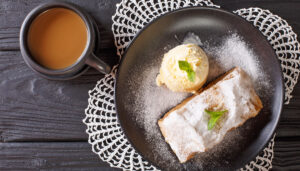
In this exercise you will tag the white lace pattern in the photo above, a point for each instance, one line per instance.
(105, 133)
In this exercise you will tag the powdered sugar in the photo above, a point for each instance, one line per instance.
(185, 128)
(232, 52)
(150, 105)
(191, 37)
(151, 102)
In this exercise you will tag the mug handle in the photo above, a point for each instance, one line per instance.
(98, 64)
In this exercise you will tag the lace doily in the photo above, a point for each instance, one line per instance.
(283, 40)
(105, 133)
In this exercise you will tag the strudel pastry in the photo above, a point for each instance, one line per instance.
(185, 127)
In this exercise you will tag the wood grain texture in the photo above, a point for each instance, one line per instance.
(49, 113)
(287, 154)
(53, 104)
(33, 108)
(50, 156)
(13, 12)
(289, 125)
(78, 156)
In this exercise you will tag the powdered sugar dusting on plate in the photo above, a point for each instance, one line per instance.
(150, 105)
(191, 37)
(232, 52)
(152, 102)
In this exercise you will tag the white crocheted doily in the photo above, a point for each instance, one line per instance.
(105, 133)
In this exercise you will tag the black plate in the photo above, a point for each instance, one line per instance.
(211, 25)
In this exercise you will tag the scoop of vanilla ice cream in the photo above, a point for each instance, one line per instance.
(175, 78)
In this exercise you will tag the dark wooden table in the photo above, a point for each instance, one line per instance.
(41, 121)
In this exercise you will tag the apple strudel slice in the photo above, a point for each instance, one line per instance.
(202, 120)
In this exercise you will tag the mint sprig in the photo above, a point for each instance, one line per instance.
(214, 117)
(185, 66)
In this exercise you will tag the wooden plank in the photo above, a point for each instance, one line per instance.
(13, 12)
(289, 124)
(287, 154)
(50, 156)
(286, 9)
(78, 156)
(36, 109)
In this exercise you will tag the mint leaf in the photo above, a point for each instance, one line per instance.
(214, 117)
(212, 121)
(216, 113)
(191, 76)
(185, 66)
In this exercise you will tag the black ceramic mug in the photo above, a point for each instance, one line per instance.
(87, 58)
